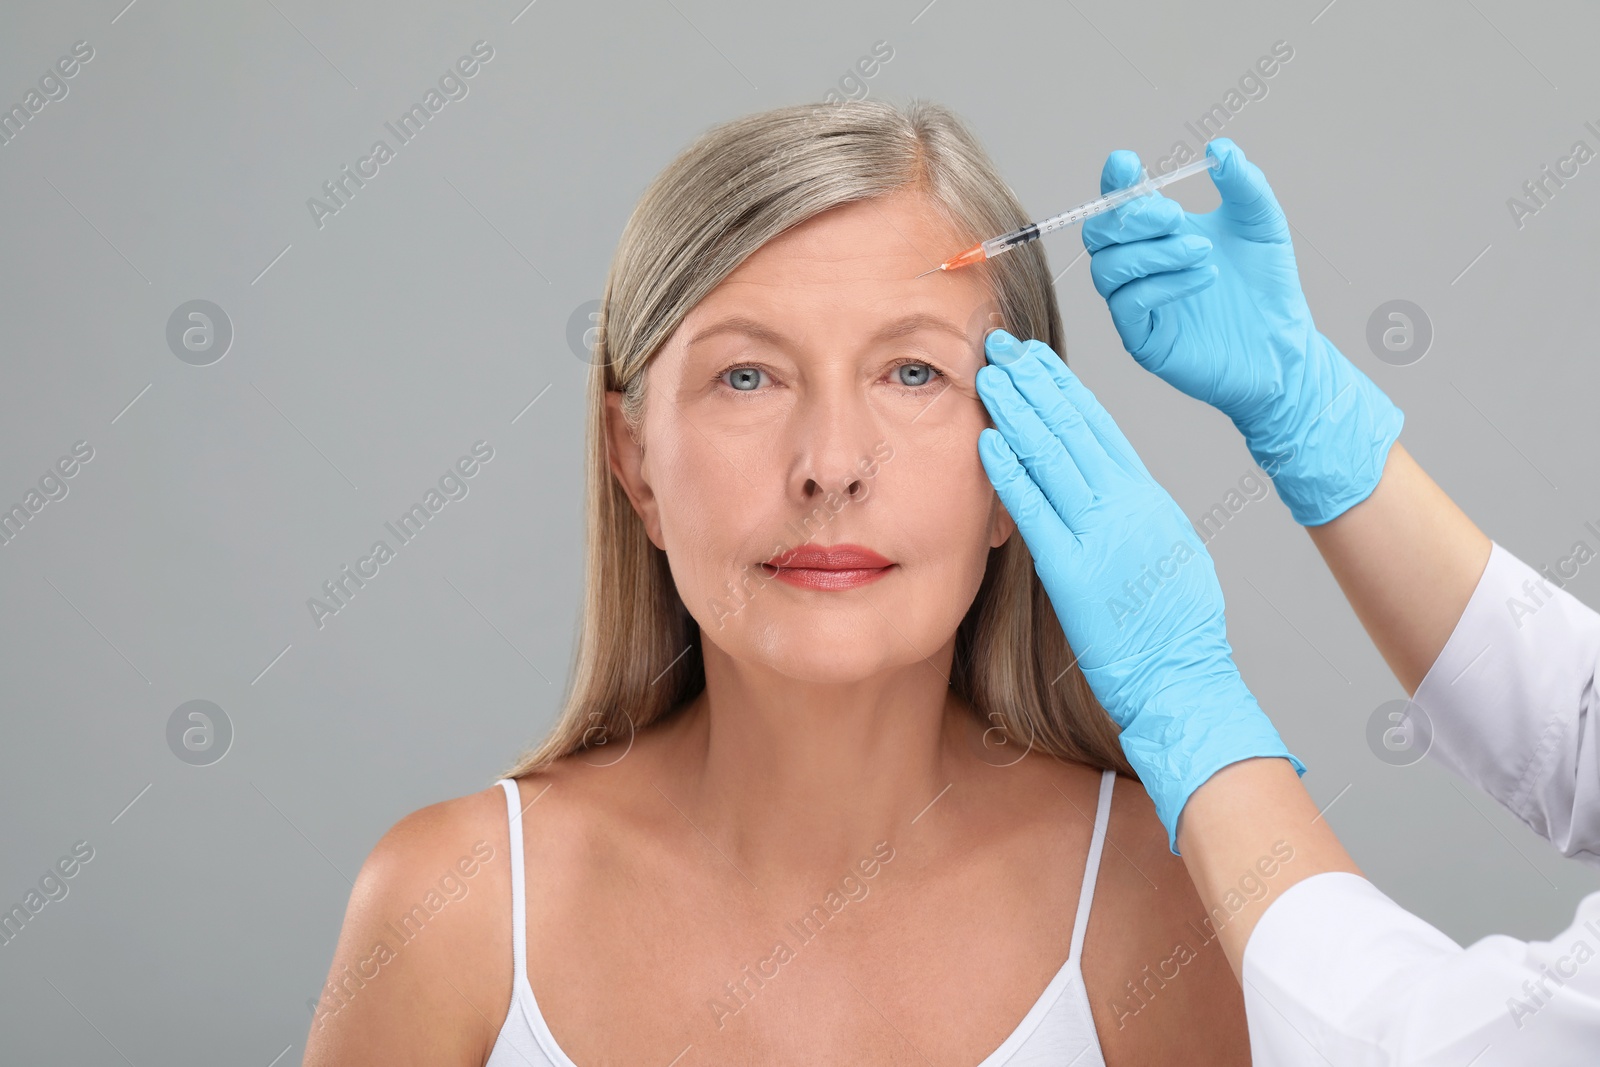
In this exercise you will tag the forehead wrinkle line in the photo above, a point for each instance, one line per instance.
(901, 327)
(909, 244)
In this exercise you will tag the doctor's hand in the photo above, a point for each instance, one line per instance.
(1211, 303)
(1130, 581)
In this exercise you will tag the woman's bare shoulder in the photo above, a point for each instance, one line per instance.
(1158, 981)
(435, 834)
(422, 969)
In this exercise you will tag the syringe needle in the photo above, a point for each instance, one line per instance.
(1107, 202)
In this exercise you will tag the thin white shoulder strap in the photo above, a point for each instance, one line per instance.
(1091, 866)
(519, 908)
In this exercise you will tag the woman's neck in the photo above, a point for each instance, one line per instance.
(788, 776)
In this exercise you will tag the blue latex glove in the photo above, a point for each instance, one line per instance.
(1129, 579)
(1212, 305)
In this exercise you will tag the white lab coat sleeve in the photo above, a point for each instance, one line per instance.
(1513, 704)
(1335, 972)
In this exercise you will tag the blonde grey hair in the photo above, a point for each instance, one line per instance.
(727, 194)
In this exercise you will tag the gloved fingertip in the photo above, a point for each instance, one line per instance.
(1001, 347)
(1229, 153)
(994, 387)
(996, 454)
(1121, 170)
(1239, 181)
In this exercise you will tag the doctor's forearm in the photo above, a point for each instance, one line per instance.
(1407, 558)
(1247, 835)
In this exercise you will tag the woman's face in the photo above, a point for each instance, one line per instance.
(823, 395)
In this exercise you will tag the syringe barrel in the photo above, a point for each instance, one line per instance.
(1114, 199)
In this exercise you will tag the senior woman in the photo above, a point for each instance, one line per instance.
(828, 785)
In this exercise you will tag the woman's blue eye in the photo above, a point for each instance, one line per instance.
(748, 379)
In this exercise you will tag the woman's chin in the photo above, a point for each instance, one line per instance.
(819, 654)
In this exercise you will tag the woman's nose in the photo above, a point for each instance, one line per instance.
(849, 486)
(833, 448)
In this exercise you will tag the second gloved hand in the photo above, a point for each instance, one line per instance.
(1130, 581)
(1211, 303)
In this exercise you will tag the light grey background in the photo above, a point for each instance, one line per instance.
(368, 356)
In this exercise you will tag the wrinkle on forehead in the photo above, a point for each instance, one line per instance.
(904, 225)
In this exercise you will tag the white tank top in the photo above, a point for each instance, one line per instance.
(1057, 1030)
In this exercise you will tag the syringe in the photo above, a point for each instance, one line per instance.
(1007, 241)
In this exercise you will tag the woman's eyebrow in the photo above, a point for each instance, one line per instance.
(900, 327)
(738, 324)
(912, 323)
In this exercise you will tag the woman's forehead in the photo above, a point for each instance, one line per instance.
(864, 240)
(860, 261)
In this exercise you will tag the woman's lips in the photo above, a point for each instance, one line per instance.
(830, 567)
(813, 578)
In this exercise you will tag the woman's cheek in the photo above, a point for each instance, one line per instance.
(949, 444)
